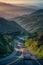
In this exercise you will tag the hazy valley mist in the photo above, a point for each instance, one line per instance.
(10, 10)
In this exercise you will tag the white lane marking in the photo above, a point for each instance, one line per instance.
(36, 60)
(19, 57)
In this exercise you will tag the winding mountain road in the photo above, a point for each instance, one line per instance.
(16, 58)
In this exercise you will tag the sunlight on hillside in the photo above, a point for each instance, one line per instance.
(35, 46)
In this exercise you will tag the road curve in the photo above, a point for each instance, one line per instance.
(16, 57)
(13, 57)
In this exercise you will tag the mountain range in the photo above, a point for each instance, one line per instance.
(32, 22)
(20, 20)
(13, 10)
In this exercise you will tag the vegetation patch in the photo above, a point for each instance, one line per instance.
(6, 45)
(35, 43)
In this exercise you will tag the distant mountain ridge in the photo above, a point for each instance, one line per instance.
(38, 12)
(32, 22)
(12, 10)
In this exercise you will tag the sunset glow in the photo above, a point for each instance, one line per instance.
(22, 1)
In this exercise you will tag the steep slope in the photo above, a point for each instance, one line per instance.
(33, 22)
(10, 10)
(9, 26)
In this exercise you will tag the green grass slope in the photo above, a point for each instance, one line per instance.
(9, 26)
(32, 22)
(34, 43)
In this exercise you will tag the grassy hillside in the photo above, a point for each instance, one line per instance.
(34, 43)
(9, 26)
(32, 23)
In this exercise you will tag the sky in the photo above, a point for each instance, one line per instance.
(22, 1)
